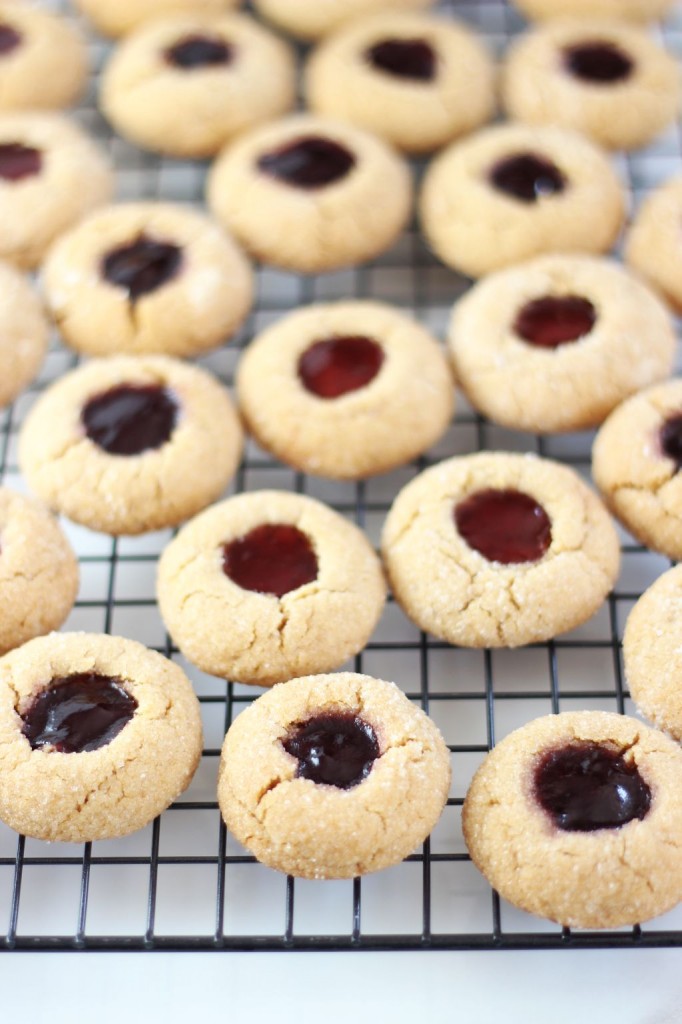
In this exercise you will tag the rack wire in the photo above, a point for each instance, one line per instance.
(183, 883)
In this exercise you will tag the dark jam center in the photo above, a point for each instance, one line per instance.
(312, 162)
(271, 559)
(336, 749)
(18, 161)
(671, 439)
(600, 62)
(128, 419)
(587, 786)
(199, 52)
(77, 713)
(555, 320)
(527, 177)
(335, 366)
(9, 39)
(142, 266)
(404, 58)
(504, 526)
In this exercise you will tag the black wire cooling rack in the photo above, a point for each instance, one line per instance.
(183, 883)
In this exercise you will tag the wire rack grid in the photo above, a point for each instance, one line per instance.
(183, 883)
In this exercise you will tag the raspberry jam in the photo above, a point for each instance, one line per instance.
(555, 320)
(18, 161)
(504, 526)
(336, 366)
(274, 558)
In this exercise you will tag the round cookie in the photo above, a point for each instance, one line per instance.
(653, 247)
(555, 344)
(311, 194)
(51, 175)
(636, 459)
(628, 10)
(188, 85)
(515, 191)
(577, 817)
(345, 390)
(98, 735)
(145, 278)
(606, 79)
(418, 82)
(333, 776)
(270, 585)
(24, 333)
(43, 59)
(118, 17)
(313, 20)
(499, 550)
(38, 571)
(126, 445)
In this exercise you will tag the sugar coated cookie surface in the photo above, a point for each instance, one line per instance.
(312, 20)
(24, 333)
(43, 59)
(627, 10)
(556, 343)
(333, 776)
(499, 550)
(345, 390)
(143, 278)
(118, 17)
(577, 817)
(653, 247)
(98, 735)
(270, 585)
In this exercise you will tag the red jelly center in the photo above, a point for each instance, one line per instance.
(598, 62)
(142, 266)
(271, 559)
(9, 39)
(670, 438)
(199, 52)
(311, 162)
(527, 177)
(404, 58)
(588, 786)
(334, 749)
(130, 419)
(336, 366)
(80, 712)
(18, 161)
(555, 320)
(504, 526)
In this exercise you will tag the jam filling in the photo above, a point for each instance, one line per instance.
(555, 320)
(527, 177)
(586, 786)
(271, 559)
(670, 437)
(9, 39)
(130, 419)
(18, 161)
(76, 713)
(336, 366)
(142, 266)
(404, 58)
(311, 162)
(333, 749)
(504, 526)
(598, 62)
(199, 52)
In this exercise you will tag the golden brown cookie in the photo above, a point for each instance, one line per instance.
(312, 20)
(653, 247)
(118, 17)
(98, 735)
(499, 550)
(270, 585)
(24, 333)
(126, 445)
(147, 278)
(577, 817)
(345, 390)
(43, 59)
(333, 776)
(628, 10)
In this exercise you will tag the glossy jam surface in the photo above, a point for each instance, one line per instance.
(10, 39)
(336, 366)
(333, 749)
(404, 58)
(128, 419)
(527, 177)
(504, 526)
(274, 558)
(142, 266)
(598, 62)
(18, 161)
(670, 438)
(555, 320)
(311, 162)
(77, 713)
(587, 786)
(199, 52)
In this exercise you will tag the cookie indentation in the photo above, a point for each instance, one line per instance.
(336, 366)
(80, 712)
(527, 177)
(598, 62)
(670, 437)
(130, 419)
(311, 162)
(404, 58)
(274, 558)
(333, 749)
(18, 161)
(198, 51)
(504, 526)
(142, 266)
(589, 786)
(555, 320)
(10, 39)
